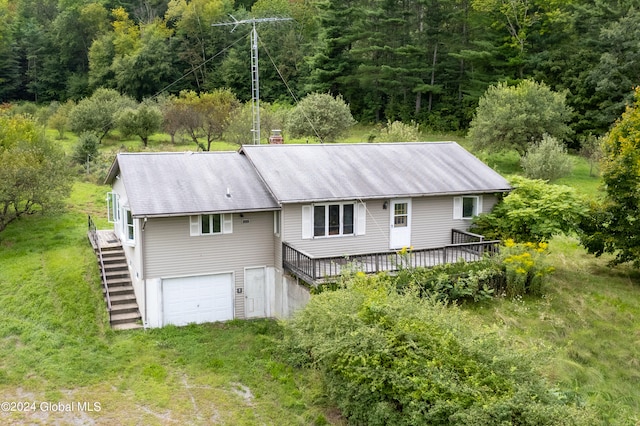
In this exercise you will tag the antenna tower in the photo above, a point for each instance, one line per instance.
(255, 77)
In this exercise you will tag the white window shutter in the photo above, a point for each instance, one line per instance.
(227, 223)
(194, 226)
(457, 208)
(479, 205)
(361, 223)
(307, 224)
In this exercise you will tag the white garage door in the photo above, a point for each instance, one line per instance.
(205, 298)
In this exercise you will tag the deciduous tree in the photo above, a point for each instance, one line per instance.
(34, 176)
(614, 224)
(97, 113)
(513, 117)
(321, 116)
(142, 120)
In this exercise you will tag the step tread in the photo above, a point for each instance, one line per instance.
(123, 298)
(114, 258)
(127, 326)
(118, 281)
(119, 265)
(125, 316)
(124, 290)
(120, 308)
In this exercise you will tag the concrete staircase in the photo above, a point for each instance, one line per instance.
(124, 314)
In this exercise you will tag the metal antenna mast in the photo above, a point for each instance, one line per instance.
(255, 77)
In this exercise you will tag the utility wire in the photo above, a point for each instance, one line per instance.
(295, 98)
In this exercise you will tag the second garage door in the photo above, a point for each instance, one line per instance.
(205, 298)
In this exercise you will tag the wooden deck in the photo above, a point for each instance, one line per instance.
(107, 239)
(314, 270)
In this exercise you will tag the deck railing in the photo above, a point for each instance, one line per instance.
(460, 237)
(93, 236)
(317, 269)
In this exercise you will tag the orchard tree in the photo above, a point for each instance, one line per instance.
(59, 120)
(614, 224)
(320, 115)
(97, 114)
(206, 114)
(34, 176)
(513, 117)
(142, 121)
(239, 130)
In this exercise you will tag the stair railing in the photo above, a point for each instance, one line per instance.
(93, 235)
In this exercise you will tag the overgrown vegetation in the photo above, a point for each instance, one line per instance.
(391, 358)
(519, 269)
(34, 173)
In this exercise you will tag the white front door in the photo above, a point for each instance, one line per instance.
(254, 292)
(400, 225)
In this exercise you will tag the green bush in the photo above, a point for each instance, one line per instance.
(394, 359)
(86, 149)
(476, 281)
(398, 132)
(320, 115)
(533, 211)
(525, 267)
(547, 160)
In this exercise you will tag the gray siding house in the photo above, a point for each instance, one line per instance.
(216, 236)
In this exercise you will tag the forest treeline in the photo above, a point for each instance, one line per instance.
(427, 61)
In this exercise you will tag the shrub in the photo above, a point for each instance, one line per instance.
(86, 149)
(547, 160)
(389, 358)
(525, 267)
(533, 211)
(320, 115)
(398, 132)
(476, 281)
(511, 117)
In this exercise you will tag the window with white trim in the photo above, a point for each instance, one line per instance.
(276, 222)
(211, 224)
(467, 207)
(334, 219)
(113, 207)
(129, 227)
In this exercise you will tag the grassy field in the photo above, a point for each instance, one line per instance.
(57, 348)
(587, 325)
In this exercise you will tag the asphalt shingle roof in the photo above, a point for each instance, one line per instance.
(260, 177)
(324, 172)
(165, 184)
